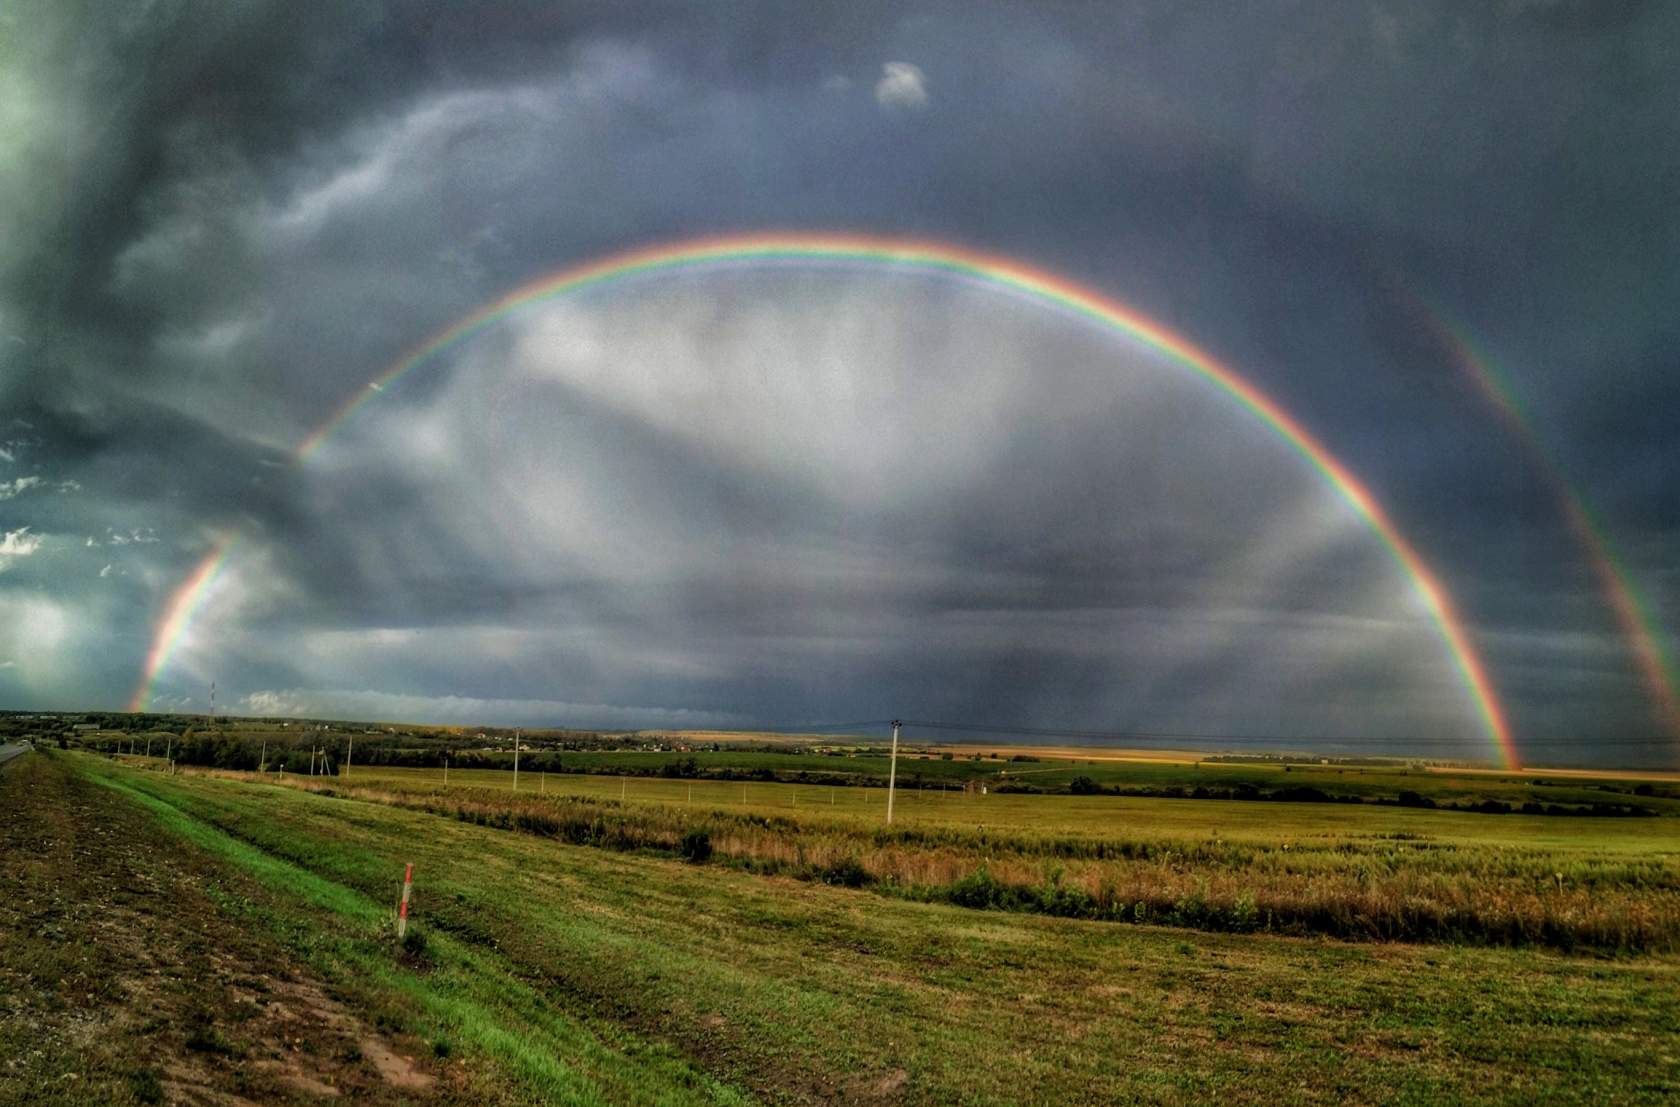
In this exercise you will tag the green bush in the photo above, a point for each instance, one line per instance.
(981, 889)
(696, 847)
(1065, 901)
(846, 871)
(1245, 915)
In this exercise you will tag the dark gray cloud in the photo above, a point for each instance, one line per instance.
(823, 494)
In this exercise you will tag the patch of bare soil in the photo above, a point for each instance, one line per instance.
(122, 981)
(883, 1088)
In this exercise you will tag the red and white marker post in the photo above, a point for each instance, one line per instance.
(402, 909)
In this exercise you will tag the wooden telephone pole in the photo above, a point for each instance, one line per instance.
(892, 771)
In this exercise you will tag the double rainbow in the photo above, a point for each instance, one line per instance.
(890, 254)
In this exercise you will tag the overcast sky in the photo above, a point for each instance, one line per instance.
(782, 495)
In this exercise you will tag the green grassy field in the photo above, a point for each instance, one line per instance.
(565, 973)
(1360, 871)
(1052, 773)
(1098, 815)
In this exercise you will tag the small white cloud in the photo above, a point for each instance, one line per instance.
(8, 489)
(19, 543)
(902, 87)
(7, 455)
(839, 82)
(92, 542)
(69, 486)
(105, 572)
(138, 535)
(15, 544)
(8, 664)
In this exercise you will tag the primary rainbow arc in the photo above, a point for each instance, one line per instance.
(914, 256)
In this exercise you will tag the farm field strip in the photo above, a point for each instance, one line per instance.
(1343, 870)
(802, 992)
(1130, 816)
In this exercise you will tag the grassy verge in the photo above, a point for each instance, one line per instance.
(800, 992)
(461, 992)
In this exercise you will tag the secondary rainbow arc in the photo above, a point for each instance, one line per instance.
(1639, 626)
(917, 256)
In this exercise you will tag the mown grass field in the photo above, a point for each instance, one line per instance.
(565, 973)
(1359, 871)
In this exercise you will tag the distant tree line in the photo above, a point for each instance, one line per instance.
(1085, 786)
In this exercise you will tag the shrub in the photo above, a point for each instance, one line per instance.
(687, 767)
(1245, 915)
(696, 847)
(1190, 909)
(1056, 898)
(846, 871)
(980, 889)
(1084, 786)
(1299, 794)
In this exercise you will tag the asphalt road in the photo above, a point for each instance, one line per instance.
(9, 752)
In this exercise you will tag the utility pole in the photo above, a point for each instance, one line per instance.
(348, 750)
(262, 762)
(516, 760)
(892, 771)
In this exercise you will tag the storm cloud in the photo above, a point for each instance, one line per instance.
(767, 497)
